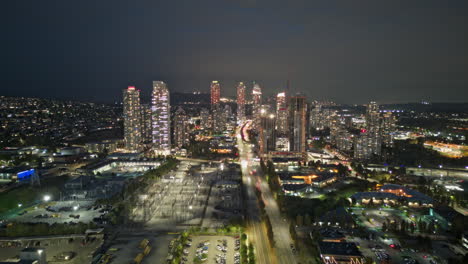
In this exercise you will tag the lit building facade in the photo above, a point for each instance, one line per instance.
(388, 128)
(297, 108)
(217, 112)
(205, 119)
(365, 146)
(132, 119)
(373, 124)
(240, 102)
(281, 114)
(181, 133)
(316, 118)
(257, 103)
(267, 132)
(160, 108)
(146, 125)
(215, 92)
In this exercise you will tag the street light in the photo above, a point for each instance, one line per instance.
(19, 205)
(46, 198)
(75, 207)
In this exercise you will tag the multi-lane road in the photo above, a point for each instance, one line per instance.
(256, 230)
(251, 175)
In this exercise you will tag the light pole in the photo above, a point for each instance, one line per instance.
(46, 198)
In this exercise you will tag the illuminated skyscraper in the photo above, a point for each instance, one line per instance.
(281, 115)
(132, 119)
(364, 146)
(205, 118)
(267, 131)
(373, 121)
(388, 128)
(257, 103)
(316, 117)
(297, 123)
(240, 102)
(215, 92)
(146, 125)
(160, 107)
(181, 135)
(216, 110)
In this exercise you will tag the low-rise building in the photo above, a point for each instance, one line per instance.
(393, 194)
(340, 253)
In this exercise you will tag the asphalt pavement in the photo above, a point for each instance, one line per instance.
(280, 226)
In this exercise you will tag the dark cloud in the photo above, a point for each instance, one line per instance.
(348, 51)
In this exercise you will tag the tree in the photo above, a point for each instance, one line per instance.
(307, 220)
(299, 220)
(384, 227)
(292, 231)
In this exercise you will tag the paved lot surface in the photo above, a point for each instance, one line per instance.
(54, 247)
(127, 247)
(41, 215)
(213, 251)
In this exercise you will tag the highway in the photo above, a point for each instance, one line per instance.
(256, 231)
(282, 237)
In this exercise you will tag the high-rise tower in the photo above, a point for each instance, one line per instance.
(215, 92)
(146, 125)
(257, 103)
(267, 131)
(240, 102)
(160, 108)
(297, 123)
(132, 119)
(281, 114)
(373, 121)
(216, 111)
(181, 135)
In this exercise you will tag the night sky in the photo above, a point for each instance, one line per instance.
(346, 51)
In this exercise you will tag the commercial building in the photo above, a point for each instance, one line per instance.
(160, 108)
(393, 194)
(340, 253)
(108, 146)
(132, 119)
(297, 123)
(240, 102)
(16, 173)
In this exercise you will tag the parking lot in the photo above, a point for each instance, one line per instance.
(77, 247)
(181, 198)
(216, 250)
(61, 212)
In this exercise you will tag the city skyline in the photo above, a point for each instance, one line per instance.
(234, 132)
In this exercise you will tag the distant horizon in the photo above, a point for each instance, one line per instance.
(233, 97)
(391, 51)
